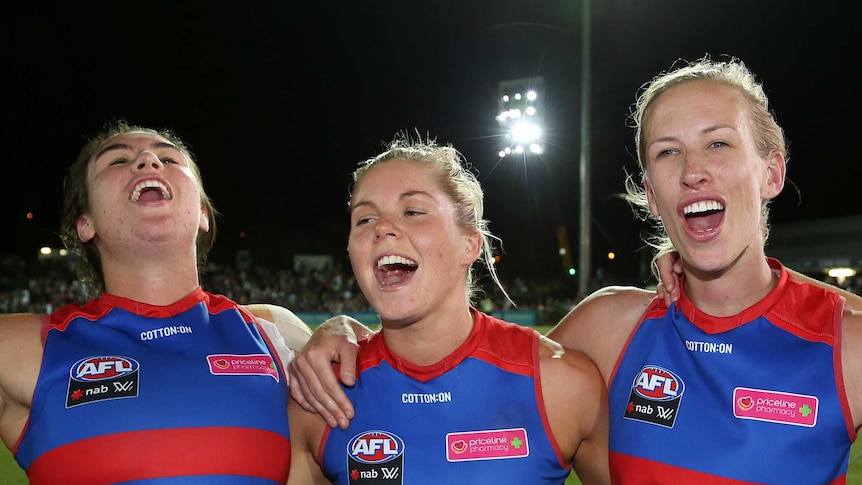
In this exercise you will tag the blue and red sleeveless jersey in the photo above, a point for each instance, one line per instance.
(189, 393)
(475, 417)
(756, 397)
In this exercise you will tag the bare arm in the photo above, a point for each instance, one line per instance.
(20, 360)
(292, 329)
(571, 381)
(306, 433)
(600, 325)
(314, 385)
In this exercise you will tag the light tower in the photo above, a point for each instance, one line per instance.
(520, 114)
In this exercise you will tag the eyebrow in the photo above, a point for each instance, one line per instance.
(404, 195)
(125, 146)
(704, 131)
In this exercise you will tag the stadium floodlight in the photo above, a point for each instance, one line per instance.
(520, 116)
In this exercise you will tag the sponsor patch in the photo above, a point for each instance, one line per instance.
(98, 378)
(375, 457)
(655, 396)
(494, 444)
(775, 406)
(240, 365)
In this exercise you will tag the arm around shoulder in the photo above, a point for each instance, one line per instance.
(294, 331)
(599, 326)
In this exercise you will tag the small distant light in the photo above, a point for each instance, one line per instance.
(572, 271)
(505, 98)
(531, 95)
(508, 150)
(611, 255)
(45, 250)
(242, 234)
(496, 258)
(531, 110)
(502, 153)
(64, 252)
(30, 215)
(562, 251)
(519, 149)
(536, 148)
(517, 96)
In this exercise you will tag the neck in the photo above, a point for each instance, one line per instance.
(154, 279)
(731, 291)
(429, 339)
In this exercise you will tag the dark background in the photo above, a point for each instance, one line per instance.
(279, 100)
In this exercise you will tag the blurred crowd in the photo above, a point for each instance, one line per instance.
(44, 285)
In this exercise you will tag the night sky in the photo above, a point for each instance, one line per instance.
(279, 100)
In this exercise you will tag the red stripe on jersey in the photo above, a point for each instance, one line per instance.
(140, 455)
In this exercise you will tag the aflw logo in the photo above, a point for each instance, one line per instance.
(375, 457)
(102, 378)
(655, 396)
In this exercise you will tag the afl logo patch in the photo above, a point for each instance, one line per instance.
(101, 378)
(655, 396)
(375, 447)
(375, 457)
(658, 384)
(102, 368)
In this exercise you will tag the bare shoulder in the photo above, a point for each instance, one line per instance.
(20, 360)
(573, 369)
(19, 333)
(600, 325)
(294, 331)
(851, 361)
(571, 381)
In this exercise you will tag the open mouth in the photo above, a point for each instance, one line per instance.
(149, 191)
(392, 270)
(704, 216)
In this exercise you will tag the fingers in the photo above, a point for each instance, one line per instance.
(314, 385)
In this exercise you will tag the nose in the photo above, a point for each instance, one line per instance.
(695, 172)
(384, 227)
(147, 159)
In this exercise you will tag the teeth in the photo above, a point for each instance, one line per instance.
(395, 260)
(702, 206)
(149, 184)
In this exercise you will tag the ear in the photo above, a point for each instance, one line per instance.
(776, 171)
(472, 247)
(86, 231)
(205, 220)
(653, 207)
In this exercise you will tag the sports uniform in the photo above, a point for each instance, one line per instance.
(189, 393)
(476, 417)
(756, 397)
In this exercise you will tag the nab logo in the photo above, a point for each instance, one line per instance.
(93, 369)
(375, 447)
(658, 384)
